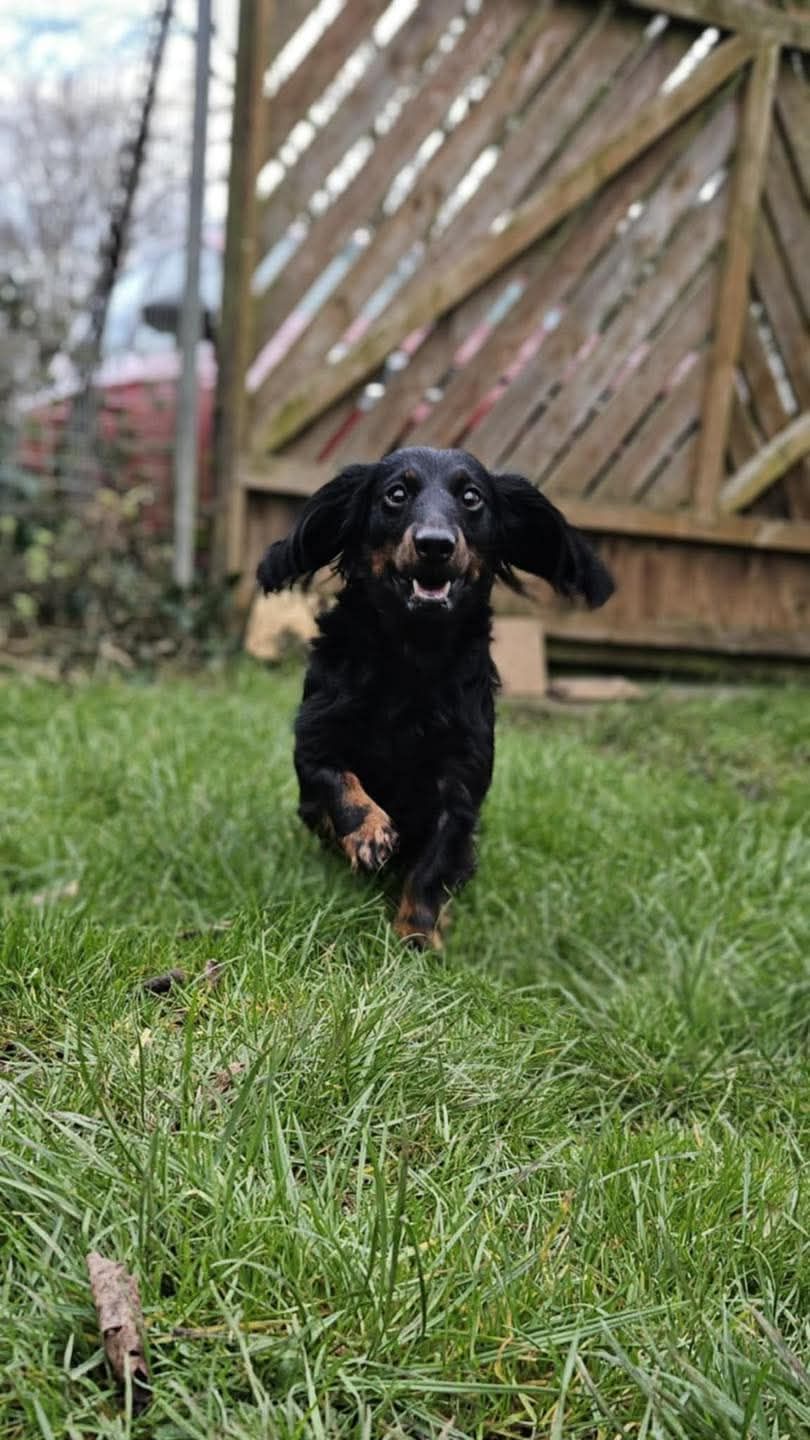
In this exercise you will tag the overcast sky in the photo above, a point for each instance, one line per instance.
(92, 38)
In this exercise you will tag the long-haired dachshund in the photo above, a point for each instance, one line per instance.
(394, 739)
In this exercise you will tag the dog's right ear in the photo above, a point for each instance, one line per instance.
(328, 532)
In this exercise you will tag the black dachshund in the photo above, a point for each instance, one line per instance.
(394, 739)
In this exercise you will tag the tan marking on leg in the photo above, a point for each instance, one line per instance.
(373, 842)
(415, 924)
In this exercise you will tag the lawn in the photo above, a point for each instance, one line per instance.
(553, 1182)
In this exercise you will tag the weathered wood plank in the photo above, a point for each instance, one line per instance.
(396, 234)
(380, 430)
(773, 288)
(308, 81)
(362, 199)
(671, 488)
(550, 273)
(580, 470)
(732, 299)
(747, 17)
(281, 25)
(636, 321)
(438, 293)
(255, 23)
(790, 217)
(401, 62)
(606, 282)
(285, 476)
(743, 437)
(772, 415)
(727, 639)
(767, 402)
(793, 104)
(659, 439)
(782, 451)
(549, 126)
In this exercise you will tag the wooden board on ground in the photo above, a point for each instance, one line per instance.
(518, 650)
(278, 621)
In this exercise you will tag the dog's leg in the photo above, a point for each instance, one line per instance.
(446, 863)
(335, 800)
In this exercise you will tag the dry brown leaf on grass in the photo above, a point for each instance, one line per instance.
(223, 1079)
(120, 1320)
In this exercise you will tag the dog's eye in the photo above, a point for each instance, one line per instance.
(471, 498)
(396, 496)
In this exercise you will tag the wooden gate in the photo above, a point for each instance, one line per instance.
(572, 238)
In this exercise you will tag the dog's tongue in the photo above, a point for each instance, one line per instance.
(427, 592)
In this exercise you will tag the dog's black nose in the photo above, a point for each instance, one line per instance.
(431, 543)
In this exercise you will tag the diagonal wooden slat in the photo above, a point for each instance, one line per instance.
(396, 234)
(439, 292)
(656, 440)
(401, 61)
(732, 299)
(362, 199)
(308, 81)
(636, 321)
(790, 217)
(585, 459)
(558, 259)
(601, 48)
(550, 274)
(764, 22)
(773, 416)
(605, 284)
(773, 289)
(793, 104)
(743, 436)
(780, 453)
(670, 491)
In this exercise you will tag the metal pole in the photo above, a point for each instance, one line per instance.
(185, 455)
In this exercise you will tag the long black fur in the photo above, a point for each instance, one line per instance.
(399, 694)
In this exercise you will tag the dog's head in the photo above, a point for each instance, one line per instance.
(430, 530)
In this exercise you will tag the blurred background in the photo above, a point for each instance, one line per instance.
(569, 236)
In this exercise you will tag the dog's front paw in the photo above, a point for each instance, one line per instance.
(372, 844)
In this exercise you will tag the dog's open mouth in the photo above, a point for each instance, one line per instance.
(430, 594)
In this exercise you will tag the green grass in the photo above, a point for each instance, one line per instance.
(553, 1182)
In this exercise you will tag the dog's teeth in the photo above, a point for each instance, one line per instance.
(438, 592)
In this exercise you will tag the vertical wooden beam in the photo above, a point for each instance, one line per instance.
(230, 416)
(732, 299)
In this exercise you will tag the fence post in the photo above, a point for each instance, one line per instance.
(233, 349)
(186, 451)
(735, 275)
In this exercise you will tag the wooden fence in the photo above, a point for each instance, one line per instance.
(572, 238)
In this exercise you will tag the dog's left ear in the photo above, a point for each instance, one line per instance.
(535, 536)
(328, 528)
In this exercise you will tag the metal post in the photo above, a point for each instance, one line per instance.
(185, 456)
